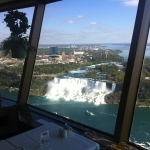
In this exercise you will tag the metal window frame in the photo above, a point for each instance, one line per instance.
(34, 40)
(133, 71)
(18, 4)
(30, 61)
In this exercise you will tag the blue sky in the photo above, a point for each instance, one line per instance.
(89, 21)
(84, 21)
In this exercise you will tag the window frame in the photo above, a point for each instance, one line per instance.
(133, 70)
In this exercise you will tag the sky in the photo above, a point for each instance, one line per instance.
(84, 22)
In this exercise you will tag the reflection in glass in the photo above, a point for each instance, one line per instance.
(11, 68)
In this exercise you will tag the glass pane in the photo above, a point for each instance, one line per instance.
(80, 64)
(140, 131)
(11, 68)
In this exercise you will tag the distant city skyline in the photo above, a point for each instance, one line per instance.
(84, 22)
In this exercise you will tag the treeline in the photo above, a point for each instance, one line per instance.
(41, 51)
(110, 71)
(112, 56)
(113, 73)
(107, 68)
(10, 76)
(92, 74)
(143, 96)
(39, 85)
(55, 68)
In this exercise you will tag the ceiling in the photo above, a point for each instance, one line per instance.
(46, 1)
(6, 5)
(5, 1)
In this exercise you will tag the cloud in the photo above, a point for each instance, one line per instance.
(100, 33)
(70, 21)
(54, 36)
(23, 10)
(131, 2)
(89, 31)
(80, 16)
(103, 35)
(93, 23)
(48, 30)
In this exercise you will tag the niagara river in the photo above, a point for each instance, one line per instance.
(73, 95)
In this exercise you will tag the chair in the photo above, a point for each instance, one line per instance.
(9, 121)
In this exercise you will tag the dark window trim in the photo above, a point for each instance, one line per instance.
(18, 4)
(30, 61)
(133, 73)
(137, 50)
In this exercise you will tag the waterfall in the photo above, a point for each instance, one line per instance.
(113, 87)
(78, 89)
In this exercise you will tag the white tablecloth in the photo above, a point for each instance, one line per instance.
(5, 146)
(25, 141)
(31, 140)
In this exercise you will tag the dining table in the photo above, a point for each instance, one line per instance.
(31, 140)
(5, 145)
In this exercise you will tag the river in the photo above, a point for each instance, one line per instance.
(78, 98)
(75, 97)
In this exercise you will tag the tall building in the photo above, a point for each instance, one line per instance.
(63, 56)
(54, 50)
(106, 54)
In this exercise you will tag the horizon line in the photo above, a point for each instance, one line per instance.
(82, 43)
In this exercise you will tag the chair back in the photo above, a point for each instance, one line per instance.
(8, 120)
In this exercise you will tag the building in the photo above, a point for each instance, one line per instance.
(106, 54)
(71, 58)
(54, 54)
(124, 117)
(55, 57)
(54, 50)
(78, 53)
(63, 56)
(7, 61)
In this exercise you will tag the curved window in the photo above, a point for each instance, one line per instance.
(81, 60)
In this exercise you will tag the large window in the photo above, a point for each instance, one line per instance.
(81, 60)
(140, 132)
(11, 68)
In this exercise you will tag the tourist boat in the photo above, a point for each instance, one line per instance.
(89, 113)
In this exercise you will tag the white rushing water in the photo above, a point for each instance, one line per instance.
(113, 87)
(78, 89)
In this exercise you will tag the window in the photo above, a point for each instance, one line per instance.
(141, 122)
(81, 60)
(11, 68)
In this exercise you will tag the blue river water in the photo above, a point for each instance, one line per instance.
(95, 112)
(124, 47)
